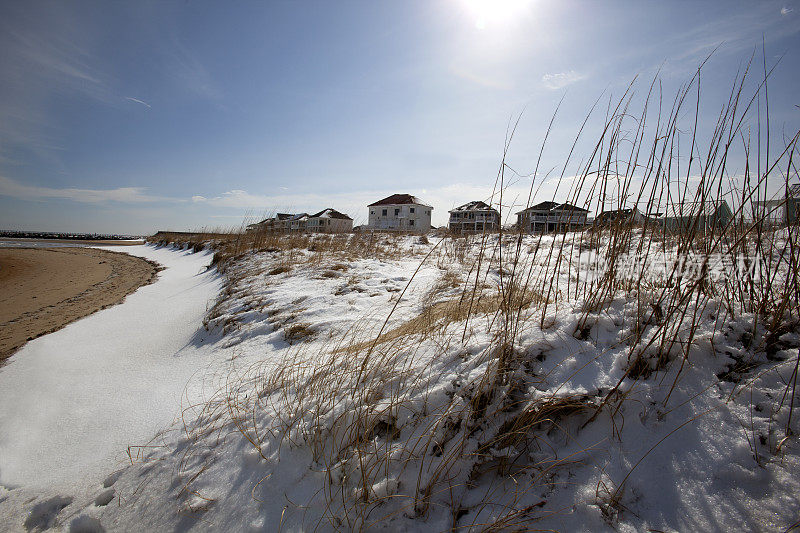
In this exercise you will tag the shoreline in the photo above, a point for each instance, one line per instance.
(44, 289)
(31, 242)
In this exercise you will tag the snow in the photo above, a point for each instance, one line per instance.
(74, 400)
(283, 389)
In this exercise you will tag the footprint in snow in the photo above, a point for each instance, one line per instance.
(111, 479)
(86, 524)
(44, 513)
(104, 498)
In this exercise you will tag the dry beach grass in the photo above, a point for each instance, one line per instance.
(472, 410)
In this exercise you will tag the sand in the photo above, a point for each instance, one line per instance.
(44, 289)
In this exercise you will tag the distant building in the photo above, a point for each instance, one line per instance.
(474, 217)
(400, 212)
(326, 221)
(793, 204)
(772, 211)
(296, 223)
(620, 216)
(780, 210)
(551, 216)
(276, 223)
(700, 216)
(329, 221)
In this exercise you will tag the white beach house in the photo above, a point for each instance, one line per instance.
(329, 221)
(400, 212)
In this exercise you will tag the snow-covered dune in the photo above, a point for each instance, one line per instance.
(345, 390)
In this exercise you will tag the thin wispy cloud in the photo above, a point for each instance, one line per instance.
(132, 99)
(57, 62)
(47, 54)
(190, 73)
(130, 195)
(733, 33)
(560, 80)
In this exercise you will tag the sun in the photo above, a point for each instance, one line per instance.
(495, 12)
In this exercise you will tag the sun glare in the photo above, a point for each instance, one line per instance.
(495, 12)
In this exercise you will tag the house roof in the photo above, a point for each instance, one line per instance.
(693, 209)
(277, 217)
(396, 199)
(793, 192)
(473, 206)
(569, 207)
(298, 216)
(769, 203)
(614, 215)
(330, 213)
(554, 206)
(623, 211)
(544, 205)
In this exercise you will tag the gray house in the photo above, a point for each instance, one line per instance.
(551, 216)
(277, 223)
(630, 215)
(702, 215)
(474, 217)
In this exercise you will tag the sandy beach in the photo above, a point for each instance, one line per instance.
(44, 289)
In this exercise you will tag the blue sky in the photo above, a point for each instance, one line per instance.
(133, 117)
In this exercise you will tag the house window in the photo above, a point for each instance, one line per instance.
(396, 212)
(411, 222)
(427, 212)
(384, 212)
(410, 209)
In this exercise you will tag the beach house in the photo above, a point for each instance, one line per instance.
(697, 215)
(551, 216)
(400, 212)
(629, 215)
(474, 217)
(276, 223)
(784, 208)
(329, 221)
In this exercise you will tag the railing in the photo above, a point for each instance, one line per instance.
(477, 218)
(559, 219)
